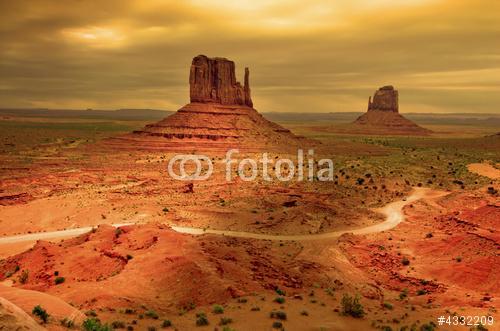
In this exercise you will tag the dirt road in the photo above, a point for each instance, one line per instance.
(393, 212)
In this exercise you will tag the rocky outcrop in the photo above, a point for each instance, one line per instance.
(383, 116)
(385, 99)
(214, 80)
(219, 116)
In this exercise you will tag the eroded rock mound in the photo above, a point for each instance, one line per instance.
(220, 115)
(383, 117)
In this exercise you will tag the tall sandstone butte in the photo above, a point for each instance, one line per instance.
(214, 80)
(385, 99)
(220, 115)
(383, 117)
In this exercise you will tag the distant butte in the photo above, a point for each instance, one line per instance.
(383, 117)
(220, 115)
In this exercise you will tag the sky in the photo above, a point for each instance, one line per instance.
(304, 56)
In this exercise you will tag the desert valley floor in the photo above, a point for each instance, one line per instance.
(409, 226)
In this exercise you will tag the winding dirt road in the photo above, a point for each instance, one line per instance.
(393, 212)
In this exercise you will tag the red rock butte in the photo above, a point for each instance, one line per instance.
(383, 116)
(220, 115)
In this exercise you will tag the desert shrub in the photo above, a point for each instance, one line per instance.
(23, 277)
(59, 280)
(165, 210)
(94, 324)
(280, 291)
(151, 314)
(405, 261)
(118, 325)
(492, 191)
(242, 300)
(67, 323)
(277, 325)
(403, 294)
(225, 321)
(304, 313)
(91, 313)
(201, 319)
(151, 328)
(429, 235)
(351, 306)
(458, 259)
(279, 300)
(388, 305)
(281, 315)
(41, 313)
(255, 309)
(218, 309)
(166, 324)
(428, 327)
(421, 292)
(129, 311)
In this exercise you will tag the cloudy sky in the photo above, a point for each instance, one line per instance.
(304, 56)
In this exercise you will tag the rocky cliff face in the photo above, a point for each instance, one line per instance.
(214, 80)
(385, 99)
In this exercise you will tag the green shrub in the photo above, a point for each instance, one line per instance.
(428, 327)
(91, 313)
(94, 324)
(281, 315)
(23, 277)
(118, 325)
(277, 325)
(388, 305)
(351, 306)
(279, 291)
(59, 280)
(225, 321)
(201, 319)
(66, 322)
(41, 313)
(151, 314)
(218, 309)
(279, 300)
(166, 324)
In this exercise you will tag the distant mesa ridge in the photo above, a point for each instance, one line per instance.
(220, 115)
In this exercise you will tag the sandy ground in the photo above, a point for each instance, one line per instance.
(484, 169)
(238, 244)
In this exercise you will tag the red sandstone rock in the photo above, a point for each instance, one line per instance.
(214, 80)
(219, 116)
(383, 116)
(384, 99)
